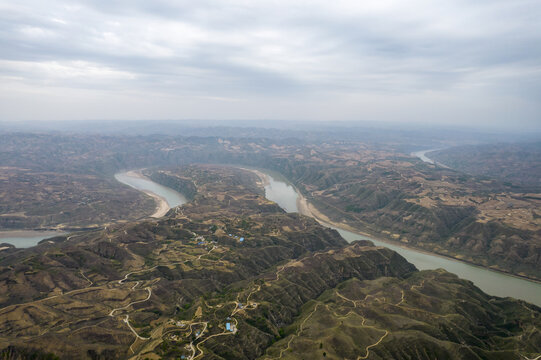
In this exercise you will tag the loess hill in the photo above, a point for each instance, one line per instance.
(516, 164)
(231, 276)
(48, 200)
(373, 188)
(393, 196)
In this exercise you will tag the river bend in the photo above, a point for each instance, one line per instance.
(491, 282)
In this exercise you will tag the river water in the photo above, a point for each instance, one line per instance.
(172, 197)
(491, 282)
(422, 155)
(281, 193)
(24, 239)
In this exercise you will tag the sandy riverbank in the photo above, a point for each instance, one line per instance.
(304, 206)
(308, 209)
(264, 178)
(136, 174)
(162, 207)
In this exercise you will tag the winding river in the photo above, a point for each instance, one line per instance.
(491, 282)
(422, 155)
(165, 197)
(135, 180)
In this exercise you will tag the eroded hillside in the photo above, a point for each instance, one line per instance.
(228, 275)
(372, 188)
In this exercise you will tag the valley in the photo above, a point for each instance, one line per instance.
(270, 180)
(187, 285)
(373, 189)
(490, 281)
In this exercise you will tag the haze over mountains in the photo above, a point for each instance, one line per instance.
(270, 179)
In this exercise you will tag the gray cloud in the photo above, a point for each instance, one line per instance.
(387, 60)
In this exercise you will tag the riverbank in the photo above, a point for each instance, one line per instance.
(26, 238)
(422, 155)
(162, 206)
(306, 208)
(491, 281)
(261, 175)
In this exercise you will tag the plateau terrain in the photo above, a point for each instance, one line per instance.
(373, 188)
(230, 275)
(270, 180)
(516, 164)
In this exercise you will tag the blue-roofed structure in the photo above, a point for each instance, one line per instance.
(228, 326)
(241, 239)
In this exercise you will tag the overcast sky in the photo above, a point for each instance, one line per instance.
(421, 61)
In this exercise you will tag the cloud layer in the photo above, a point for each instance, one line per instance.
(421, 61)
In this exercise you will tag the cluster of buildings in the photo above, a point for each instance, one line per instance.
(230, 327)
(240, 239)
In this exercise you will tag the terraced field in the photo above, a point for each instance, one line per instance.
(187, 286)
(431, 314)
